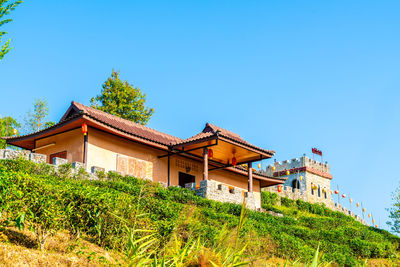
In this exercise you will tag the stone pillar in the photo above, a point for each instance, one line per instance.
(250, 171)
(205, 163)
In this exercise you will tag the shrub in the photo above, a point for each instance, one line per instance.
(64, 171)
(271, 208)
(288, 202)
(269, 198)
(302, 205)
(112, 175)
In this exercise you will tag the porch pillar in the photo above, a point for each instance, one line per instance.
(85, 150)
(205, 163)
(250, 171)
(169, 171)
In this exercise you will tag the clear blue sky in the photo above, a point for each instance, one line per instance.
(285, 75)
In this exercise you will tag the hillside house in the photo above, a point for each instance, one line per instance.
(216, 163)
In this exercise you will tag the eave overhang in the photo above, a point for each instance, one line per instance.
(75, 122)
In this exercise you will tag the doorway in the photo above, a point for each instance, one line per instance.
(295, 184)
(185, 178)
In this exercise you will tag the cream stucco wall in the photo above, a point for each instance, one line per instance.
(103, 149)
(71, 141)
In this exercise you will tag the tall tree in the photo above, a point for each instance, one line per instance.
(394, 213)
(8, 127)
(121, 99)
(6, 6)
(35, 121)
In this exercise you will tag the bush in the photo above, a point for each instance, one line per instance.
(65, 171)
(288, 202)
(271, 208)
(269, 198)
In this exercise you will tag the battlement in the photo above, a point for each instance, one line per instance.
(297, 163)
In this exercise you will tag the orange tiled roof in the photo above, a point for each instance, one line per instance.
(213, 130)
(140, 131)
(149, 133)
(124, 125)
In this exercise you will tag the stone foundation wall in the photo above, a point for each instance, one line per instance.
(214, 190)
(42, 159)
(287, 191)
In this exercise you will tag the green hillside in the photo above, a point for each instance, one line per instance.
(145, 223)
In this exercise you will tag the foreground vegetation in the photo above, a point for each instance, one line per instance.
(148, 224)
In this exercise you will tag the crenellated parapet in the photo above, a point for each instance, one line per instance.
(298, 165)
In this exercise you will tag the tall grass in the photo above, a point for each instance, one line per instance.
(144, 248)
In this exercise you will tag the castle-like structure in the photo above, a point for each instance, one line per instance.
(307, 179)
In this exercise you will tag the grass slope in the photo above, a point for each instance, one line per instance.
(145, 222)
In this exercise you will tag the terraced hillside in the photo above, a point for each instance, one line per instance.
(124, 220)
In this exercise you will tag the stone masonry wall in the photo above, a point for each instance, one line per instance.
(295, 194)
(322, 194)
(287, 191)
(214, 190)
(40, 158)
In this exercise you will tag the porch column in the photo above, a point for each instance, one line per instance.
(250, 171)
(205, 163)
(169, 171)
(85, 149)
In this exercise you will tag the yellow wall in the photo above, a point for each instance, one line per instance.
(71, 141)
(103, 149)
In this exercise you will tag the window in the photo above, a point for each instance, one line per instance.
(62, 155)
(319, 191)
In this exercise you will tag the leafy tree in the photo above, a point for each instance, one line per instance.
(49, 124)
(35, 121)
(8, 127)
(121, 99)
(6, 6)
(394, 213)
